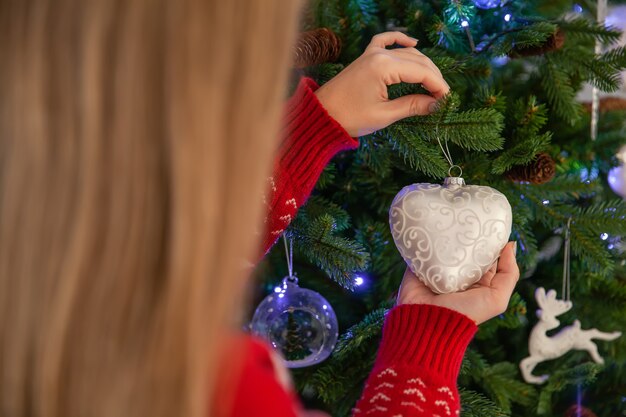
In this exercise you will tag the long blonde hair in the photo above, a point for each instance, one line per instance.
(135, 136)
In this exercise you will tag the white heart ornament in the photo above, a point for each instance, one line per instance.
(450, 234)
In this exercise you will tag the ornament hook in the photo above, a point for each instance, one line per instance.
(289, 255)
(452, 168)
(447, 154)
(566, 262)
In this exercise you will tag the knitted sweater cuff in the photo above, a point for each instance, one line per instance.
(426, 336)
(312, 138)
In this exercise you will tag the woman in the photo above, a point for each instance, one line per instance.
(135, 141)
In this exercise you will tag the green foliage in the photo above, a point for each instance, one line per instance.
(338, 256)
(579, 375)
(559, 91)
(459, 10)
(582, 28)
(500, 381)
(522, 37)
(420, 155)
(338, 382)
(475, 404)
(501, 113)
(521, 153)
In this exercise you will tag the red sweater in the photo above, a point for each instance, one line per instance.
(422, 345)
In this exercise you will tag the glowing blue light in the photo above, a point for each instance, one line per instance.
(588, 174)
(500, 61)
(277, 289)
(465, 23)
(578, 8)
(486, 4)
(358, 281)
(325, 307)
(281, 295)
(604, 236)
(546, 202)
(611, 246)
(507, 17)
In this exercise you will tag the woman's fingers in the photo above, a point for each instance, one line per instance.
(414, 54)
(411, 71)
(408, 71)
(407, 106)
(389, 38)
(507, 275)
(485, 280)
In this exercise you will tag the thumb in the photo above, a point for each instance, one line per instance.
(411, 105)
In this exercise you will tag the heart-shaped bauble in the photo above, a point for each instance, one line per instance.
(449, 235)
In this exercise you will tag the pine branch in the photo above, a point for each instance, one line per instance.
(343, 374)
(521, 37)
(527, 117)
(581, 375)
(317, 206)
(615, 57)
(590, 249)
(375, 154)
(419, 154)
(521, 153)
(603, 76)
(559, 91)
(584, 29)
(474, 404)
(562, 187)
(585, 243)
(475, 129)
(500, 381)
(361, 13)
(327, 177)
(603, 217)
(473, 365)
(364, 332)
(339, 257)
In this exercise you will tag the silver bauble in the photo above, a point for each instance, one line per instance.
(449, 235)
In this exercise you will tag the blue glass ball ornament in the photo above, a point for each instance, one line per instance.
(299, 323)
(617, 180)
(486, 4)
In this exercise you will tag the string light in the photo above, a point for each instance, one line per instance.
(464, 23)
(507, 17)
(358, 281)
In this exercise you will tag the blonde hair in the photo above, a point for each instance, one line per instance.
(135, 139)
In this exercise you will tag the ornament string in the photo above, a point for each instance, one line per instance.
(595, 97)
(289, 256)
(566, 262)
(447, 155)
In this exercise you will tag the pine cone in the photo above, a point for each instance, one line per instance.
(553, 43)
(579, 411)
(316, 47)
(539, 171)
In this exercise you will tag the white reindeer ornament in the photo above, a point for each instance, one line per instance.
(542, 348)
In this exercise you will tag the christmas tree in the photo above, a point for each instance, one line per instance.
(513, 122)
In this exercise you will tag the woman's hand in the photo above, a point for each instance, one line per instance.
(482, 301)
(357, 96)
